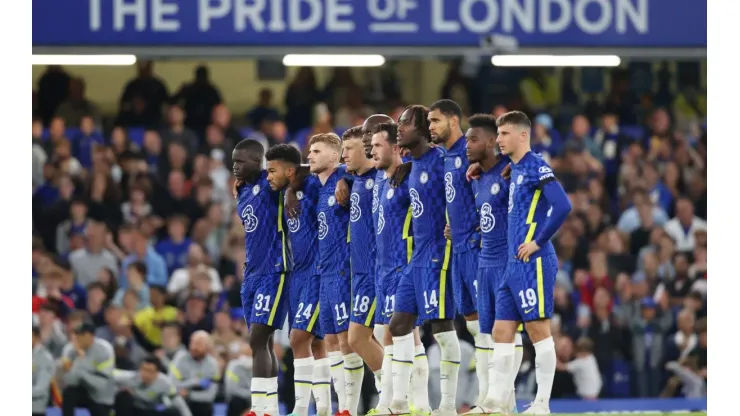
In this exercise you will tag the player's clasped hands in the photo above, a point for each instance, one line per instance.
(448, 233)
(342, 192)
(527, 249)
(292, 204)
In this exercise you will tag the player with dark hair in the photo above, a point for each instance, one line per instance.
(309, 353)
(538, 206)
(426, 290)
(361, 238)
(491, 201)
(444, 124)
(265, 288)
(392, 214)
(333, 256)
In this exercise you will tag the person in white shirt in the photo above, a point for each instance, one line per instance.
(180, 279)
(585, 370)
(684, 225)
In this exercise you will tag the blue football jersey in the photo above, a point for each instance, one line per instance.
(459, 195)
(261, 211)
(394, 226)
(333, 231)
(527, 209)
(492, 203)
(427, 195)
(304, 229)
(361, 228)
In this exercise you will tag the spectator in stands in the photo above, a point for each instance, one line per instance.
(69, 286)
(64, 160)
(631, 219)
(301, 96)
(105, 200)
(585, 370)
(39, 155)
(137, 208)
(151, 319)
(198, 99)
(77, 106)
(156, 267)
(649, 330)
(263, 110)
(174, 248)
(581, 138)
(51, 330)
(684, 225)
(171, 343)
(197, 317)
(88, 261)
(177, 132)
(216, 140)
(108, 280)
(143, 98)
(96, 303)
(221, 118)
(76, 224)
(136, 277)
(152, 150)
(178, 199)
(53, 88)
(540, 90)
(182, 278)
(86, 141)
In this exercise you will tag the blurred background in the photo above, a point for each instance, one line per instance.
(137, 105)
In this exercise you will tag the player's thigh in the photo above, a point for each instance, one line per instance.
(297, 284)
(388, 282)
(434, 292)
(340, 302)
(326, 311)
(307, 308)
(405, 295)
(464, 281)
(364, 301)
(533, 289)
(486, 298)
(247, 296)
(505, 304)
(270, 299)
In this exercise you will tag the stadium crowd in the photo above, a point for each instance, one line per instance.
(135, 231)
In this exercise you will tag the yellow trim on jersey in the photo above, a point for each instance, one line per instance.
(540, 289)
(406, 236)
(175, 372)
(443, 278)
(232, 376)
(530, 216)
(276, 303)
(371, 313)
(349, 227)
(314, 317)
(281, 230)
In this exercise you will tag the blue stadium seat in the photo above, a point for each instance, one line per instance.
(245, 132)
(636, 132)
(69, 133)
(302, 136)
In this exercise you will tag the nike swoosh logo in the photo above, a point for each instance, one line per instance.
(341, 322)
(430, 311)
(260, 314)
(299, 322)
(528, 310)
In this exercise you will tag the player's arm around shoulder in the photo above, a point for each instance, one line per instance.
(402, 172)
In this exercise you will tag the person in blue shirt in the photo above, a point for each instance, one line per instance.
(309, 353)
(174, 249)
(265, 288)
(361, 240)
(491, 202)
(391, 208)
(444, 124)
(333, 258)
(426, 290)
(156, 267)
(537, 208)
